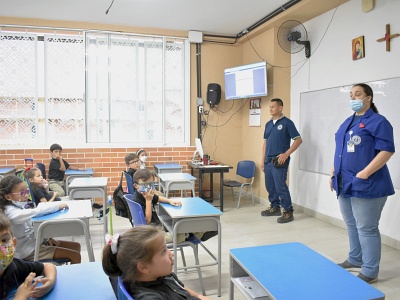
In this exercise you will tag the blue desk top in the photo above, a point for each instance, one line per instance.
(168, 166)
(191, 207)
(176, 176)
(81, 281)
(6, 170)
(88, 171)
(77, 209)
(301, 273)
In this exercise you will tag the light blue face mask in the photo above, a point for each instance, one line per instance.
(357, 104)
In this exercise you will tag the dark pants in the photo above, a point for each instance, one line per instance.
(275, 183)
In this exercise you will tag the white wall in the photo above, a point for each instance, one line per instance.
(331, 65)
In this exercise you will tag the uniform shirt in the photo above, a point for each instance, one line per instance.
(165, 288)
(138, 198)
(54, 169)
(40, 193)
(370, 134)
(278, 136)
(22, 225)
(16, 273)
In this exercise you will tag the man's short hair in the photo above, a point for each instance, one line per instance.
(143, 174)
(277, 100)
(55, 147)
(129, 157)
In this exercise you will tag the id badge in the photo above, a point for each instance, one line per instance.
(350, 146)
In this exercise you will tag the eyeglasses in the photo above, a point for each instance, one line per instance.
(146, 184)
(134, 162)
(22, 193)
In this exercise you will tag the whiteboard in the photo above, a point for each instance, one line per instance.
(323, 111)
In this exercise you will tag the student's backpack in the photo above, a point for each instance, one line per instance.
(121, 206)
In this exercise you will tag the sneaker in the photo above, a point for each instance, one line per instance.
(347, 265)
(367, 279)
(97, 206)
(271, 211)
(208, 235)
(100, 215)
(287, 216)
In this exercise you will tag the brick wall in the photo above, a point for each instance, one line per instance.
(105, 162)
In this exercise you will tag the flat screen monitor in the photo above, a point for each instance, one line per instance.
(246, 81)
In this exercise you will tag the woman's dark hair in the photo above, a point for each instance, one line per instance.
(7, 184)
(136, 245)
(369, 92)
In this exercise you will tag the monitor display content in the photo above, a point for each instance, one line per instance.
(246, 81)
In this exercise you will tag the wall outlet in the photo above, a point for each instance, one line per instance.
(201, 109)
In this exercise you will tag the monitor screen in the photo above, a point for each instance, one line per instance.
(246, 81)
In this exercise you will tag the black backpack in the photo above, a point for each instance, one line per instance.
(121, 206)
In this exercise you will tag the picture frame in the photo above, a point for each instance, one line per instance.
(358, 48)
(255, 103)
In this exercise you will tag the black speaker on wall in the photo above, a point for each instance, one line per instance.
(213, 93)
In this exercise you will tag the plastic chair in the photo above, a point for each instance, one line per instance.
(42, 169)
(139, 219)
(67, 227)
(245, 170)
(129, 183)
(122, 292)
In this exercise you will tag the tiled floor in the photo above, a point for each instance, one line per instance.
(245, 227)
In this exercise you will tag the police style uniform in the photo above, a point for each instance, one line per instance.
(358, 141)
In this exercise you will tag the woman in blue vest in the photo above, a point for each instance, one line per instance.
(361, 179)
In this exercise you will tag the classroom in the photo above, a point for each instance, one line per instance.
(331, 27)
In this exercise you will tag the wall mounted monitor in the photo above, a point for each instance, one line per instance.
(246, 81)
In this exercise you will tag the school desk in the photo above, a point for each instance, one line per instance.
(176, 182)
(72, 174)
(195, 215)
(294, 271)
(81, 281)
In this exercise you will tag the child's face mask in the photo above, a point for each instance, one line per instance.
(146, 187)
(6, 255)
(143, 158)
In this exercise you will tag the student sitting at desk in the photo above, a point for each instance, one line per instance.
(146, 197)
(132, 163)
(13, 193)
(141, 257)
(34, 175)
(142, 154)
(57, 170)
(17, 276)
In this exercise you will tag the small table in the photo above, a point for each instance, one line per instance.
(78, 209)
(91, 187)
(211, 169)
(176, 182)
(307, 274)
(6, 171)
(167, 168)
(195, 215)
(81, 281)
(72, 174)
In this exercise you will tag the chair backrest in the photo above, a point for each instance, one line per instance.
(246, 168)
(129, 183)
(31, 194)
(59, 228)
(42, 169)
(136, 211)
(122, 292)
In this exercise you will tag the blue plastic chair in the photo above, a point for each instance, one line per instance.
(122, 293)
(245, 171)
(139, 219)
(129, 183)
(42, 169)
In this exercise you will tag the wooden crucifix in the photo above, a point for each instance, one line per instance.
(388, 37)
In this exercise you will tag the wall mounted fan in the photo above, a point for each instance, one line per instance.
(292, 37)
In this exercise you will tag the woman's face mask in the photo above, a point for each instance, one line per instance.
(357, 104)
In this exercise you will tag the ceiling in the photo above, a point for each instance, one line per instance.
(223, 17)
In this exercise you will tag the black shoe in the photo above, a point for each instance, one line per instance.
(97, 206)
(347, 265)
(286, 217)
(367, 279)
(101, 213)
(208, 235)
(271, 211)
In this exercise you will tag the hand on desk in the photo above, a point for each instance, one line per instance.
(175, 203)
(63, 206)
(26, 288)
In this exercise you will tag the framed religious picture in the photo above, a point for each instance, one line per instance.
(357, 48)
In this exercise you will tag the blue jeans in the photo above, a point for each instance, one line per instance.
(362, 220)
(275, 183)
